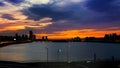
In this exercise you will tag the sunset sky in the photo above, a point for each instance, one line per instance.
(60, 18)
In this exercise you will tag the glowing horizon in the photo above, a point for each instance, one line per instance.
(77, 33)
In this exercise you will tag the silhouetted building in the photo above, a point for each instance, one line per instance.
(112, 38)
(26, 37)
(44, 38)
(18, 37)
(6, 38)
(107, 38)
(34, 37)
(31, 36)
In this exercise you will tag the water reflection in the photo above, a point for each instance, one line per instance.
(50, 52)
(12, 57)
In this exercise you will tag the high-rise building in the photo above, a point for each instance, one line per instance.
(44, 38)
(16, 37)
(34, 37)
(31, 36)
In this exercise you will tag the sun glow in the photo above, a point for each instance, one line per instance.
(80, 33)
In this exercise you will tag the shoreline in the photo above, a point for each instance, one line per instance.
(13, 42)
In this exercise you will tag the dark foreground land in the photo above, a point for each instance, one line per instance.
(101, 64)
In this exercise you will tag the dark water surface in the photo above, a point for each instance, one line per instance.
(54, 51)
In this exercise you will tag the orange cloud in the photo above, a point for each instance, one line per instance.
(13, 25)
(13, 28)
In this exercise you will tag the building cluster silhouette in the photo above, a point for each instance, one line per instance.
(112, 37)
(107, 38)
(18, 37)
(31, 37)
(44, 38)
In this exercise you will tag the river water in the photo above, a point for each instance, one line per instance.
(59, 51)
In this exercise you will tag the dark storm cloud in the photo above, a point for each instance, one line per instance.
(103, 5)
(2, 4)
(8, 16)
(88, 14)
(110, 9)
(71, 14)
(15, 1)
(40, 11)
(107, 11)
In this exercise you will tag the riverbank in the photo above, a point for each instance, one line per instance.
(101, 64)
(6, 43)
